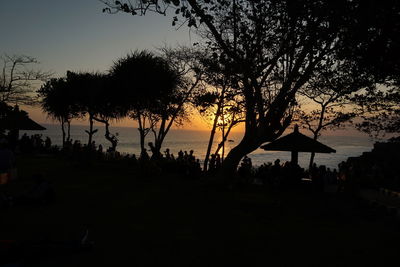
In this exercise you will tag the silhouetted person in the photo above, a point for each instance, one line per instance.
(217, 162)
(154, 153)
(191, 156)
(167, 154)
(93, 146)
(276, 173)
(144, 156)
(245, 169)
(180, 155)
(47, 143)
(211, 164)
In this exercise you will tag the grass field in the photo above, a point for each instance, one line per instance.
(173, 221)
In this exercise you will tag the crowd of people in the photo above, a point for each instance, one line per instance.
(373, 169)
(34, 143)
(287, 175)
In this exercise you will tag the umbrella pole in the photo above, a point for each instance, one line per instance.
(295, 157)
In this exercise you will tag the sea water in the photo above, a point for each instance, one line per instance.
(186, 140)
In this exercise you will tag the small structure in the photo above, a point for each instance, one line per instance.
(297, 142)
(24, 123)
(15, 120)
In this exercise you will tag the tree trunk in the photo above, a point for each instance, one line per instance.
(90, 133)
(313, 153)
(142, 133)
(111, 138)
(210, 142)
(224, 138)
(212, 134)
(232, 160)
(142, 137)
(68, 130)
(159, 139)
(63, 132)
(311, 160)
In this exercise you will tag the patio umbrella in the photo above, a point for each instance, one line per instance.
(297, 142)
(20, 121)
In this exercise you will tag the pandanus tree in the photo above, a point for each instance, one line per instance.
(87, 86)
(58, 100)
(271, 49)
(149, 87)
(109, 107)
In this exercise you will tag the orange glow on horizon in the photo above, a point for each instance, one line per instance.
(196, 122)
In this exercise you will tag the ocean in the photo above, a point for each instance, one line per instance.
(345, 146)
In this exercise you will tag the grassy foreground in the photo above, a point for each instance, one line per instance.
(172, 221)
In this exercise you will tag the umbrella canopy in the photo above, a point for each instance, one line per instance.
(24, 123)
(297, 142)
(18, 120)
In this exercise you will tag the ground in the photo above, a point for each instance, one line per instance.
(172, 221)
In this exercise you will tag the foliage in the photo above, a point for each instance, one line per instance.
(380, 109)
(376, 26)
(18, 80)
(372, 39)
(220, 104)
(58, 99)
(329, 91)
(149, 87)
(269, 48)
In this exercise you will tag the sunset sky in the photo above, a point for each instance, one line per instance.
(76, 35)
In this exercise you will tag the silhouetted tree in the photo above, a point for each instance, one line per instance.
(231, 116)
(219, 103)
(57, 99)
(329, 91)
(380, 109)
(271, 48)
(373, 43)
(183, 65)
(86, 87)
(373, 39)
(109, 107)
(148, 86)
(18, 80)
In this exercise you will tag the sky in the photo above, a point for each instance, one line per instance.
(76, 35)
